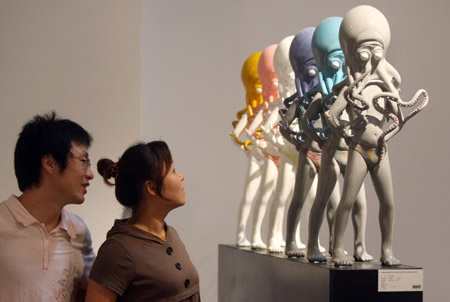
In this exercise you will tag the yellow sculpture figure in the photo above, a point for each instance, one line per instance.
(253, 88)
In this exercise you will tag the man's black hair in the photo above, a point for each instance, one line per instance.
(45, 135)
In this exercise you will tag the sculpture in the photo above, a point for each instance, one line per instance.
(331, 64)
(271, 160)
(370, 94)
(305, 69)
(252, 85)
(286, 170)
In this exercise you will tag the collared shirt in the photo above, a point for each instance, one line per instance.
(36, 265)
(139, 266)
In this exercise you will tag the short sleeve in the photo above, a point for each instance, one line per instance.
(88, 254)
(113, 268)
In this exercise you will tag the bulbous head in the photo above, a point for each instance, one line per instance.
(364, 25)
(252, 84)
(267, 75)
(283, 68)
(328, 54)
(302, 61)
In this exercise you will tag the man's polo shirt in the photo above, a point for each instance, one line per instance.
(36, 265)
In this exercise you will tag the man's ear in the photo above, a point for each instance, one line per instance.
(49, 164)
(150, 188)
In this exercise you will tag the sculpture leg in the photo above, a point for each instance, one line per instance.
(328, 175)
(382, 181)
(268, 183)
(303, 182)
(308, 205)
(354, 178)
(252, 184)
(359, 218)
(285, 183)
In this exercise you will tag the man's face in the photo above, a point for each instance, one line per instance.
(74, 180)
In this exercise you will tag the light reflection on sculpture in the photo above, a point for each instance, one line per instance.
(252, 85)
(371, 95)
(331, 64)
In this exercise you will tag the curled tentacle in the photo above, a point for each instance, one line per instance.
(321, 132)
(420, 93)
(353, 92)
(245, 145)
(381, 140)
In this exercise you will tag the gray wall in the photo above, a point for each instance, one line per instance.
(82, 59)
(192, 56)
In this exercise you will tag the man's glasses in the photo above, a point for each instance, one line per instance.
(85, 161)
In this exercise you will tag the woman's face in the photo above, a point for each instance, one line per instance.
(173, 187)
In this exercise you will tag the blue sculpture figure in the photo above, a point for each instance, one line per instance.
(305, 69)
(331, 65)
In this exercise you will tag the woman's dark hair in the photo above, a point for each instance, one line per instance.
(45, 135)
(139, 163)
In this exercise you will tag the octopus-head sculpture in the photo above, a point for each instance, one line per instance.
(252, 83)
(283, 68)
(328, 54)
(267, 75)
(365, 37)
(302, 61)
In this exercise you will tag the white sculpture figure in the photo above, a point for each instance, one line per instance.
(252, 85)
(305, 69)
(271, 161)
(371, 96)
(286, 170)
(330, 61)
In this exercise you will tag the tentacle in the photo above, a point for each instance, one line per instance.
(387, 113)
(417, 96)
(353, 92)
(420, 93)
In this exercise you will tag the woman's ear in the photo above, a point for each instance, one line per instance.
(150, 188)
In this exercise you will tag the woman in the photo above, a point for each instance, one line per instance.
(143, 259)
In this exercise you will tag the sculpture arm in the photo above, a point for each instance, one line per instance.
(268, 127)
(285, 123)
(237, 131)
(312, 114)
(331, 116)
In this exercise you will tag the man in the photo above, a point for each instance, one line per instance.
(45, 251)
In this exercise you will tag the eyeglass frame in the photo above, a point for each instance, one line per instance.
(85, 161)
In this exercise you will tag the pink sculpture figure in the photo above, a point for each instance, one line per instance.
(286, 171)
(271, 160)
(371, 95)
(253, 88)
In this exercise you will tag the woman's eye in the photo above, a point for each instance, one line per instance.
(364, 55)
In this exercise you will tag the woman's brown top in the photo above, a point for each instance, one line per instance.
(139, 266)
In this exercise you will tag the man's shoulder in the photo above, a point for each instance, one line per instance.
(7, 205)
(75, 222)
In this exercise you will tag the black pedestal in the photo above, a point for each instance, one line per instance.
(246, 276)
